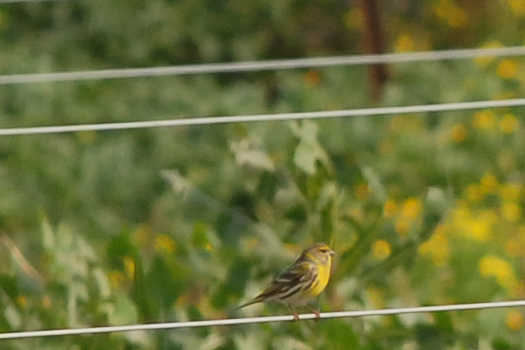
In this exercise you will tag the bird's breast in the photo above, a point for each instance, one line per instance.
(323, 273)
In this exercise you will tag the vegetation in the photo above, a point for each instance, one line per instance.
(185, 223)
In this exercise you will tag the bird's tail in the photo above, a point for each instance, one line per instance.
(254, 301)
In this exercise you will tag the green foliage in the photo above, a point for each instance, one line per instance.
(172, 224)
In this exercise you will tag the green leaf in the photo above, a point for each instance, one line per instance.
(234, 285)
(340, 335)
(377, 189)
(429, 337)
(13, 316)
(199, 237)
(9, 286)
(48, 236)
(164, 282)
(308, 151)
(124, 310)
(121, 246)
(246, 154)
(102, 283)
(251, 340)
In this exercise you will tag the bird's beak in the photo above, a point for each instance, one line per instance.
(332, 253)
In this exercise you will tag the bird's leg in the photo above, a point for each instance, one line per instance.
(316, 313)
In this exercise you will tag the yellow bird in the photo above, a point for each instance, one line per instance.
(301, 282)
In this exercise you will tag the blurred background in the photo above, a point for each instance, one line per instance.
(184, 223)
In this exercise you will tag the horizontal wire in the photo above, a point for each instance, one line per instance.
(263, 117)
(262, 65)
(255, 320)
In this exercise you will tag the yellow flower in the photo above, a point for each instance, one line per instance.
(459, 133)
(502, 270)
(375, 297)
(475, 226)
(489, 183)
(474, 193)
(514, 320)
(362, 191)
(164, 243)
(381, 249)
(411, 208)
(405, 43)
(129, 266)
(437, 247)
(511, 211)
(517, 7)
(511, 191)
(478, 229)
(509, 123)
(390, 208)
(409, 213)
(401, 226)
(484, 120)
(461, 210)
(507, 68)
(21, 301)
(449, 12)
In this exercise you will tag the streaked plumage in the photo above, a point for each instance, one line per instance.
(301, 282)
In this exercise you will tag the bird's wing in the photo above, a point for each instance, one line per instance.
(288, 282)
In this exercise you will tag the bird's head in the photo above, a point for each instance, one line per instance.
(319, 252)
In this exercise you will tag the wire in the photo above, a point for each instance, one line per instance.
(262, 65)
(255, 320)
(263, 117)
